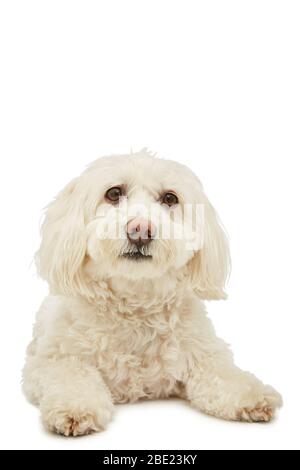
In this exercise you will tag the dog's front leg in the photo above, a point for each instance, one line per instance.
(72, 396)
(219, 388)
(231, 394)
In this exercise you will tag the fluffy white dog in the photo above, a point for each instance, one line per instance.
(130, 250)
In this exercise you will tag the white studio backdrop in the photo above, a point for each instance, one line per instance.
(212, 84)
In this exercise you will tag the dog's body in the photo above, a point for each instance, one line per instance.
(125, 318)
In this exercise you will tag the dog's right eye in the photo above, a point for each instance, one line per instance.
(114, 194)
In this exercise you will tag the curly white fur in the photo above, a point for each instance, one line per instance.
(115, 330)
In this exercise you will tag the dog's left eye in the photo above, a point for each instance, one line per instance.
(114, 194)
(170, 199)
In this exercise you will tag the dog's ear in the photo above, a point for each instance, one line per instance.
(210, 266)
(63, 247)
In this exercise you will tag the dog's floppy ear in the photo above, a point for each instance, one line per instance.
(210, 266)
(63, 247)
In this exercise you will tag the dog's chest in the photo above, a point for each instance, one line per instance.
(139, 356)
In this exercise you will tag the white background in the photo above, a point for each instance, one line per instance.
(213, 84)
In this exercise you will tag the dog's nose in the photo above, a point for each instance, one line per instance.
(140, 231)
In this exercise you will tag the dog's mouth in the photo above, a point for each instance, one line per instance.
(139, 254)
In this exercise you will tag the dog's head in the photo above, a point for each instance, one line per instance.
(137, 217)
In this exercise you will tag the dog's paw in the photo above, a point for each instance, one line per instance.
(76, 420)
(262, 408)
(71, 424)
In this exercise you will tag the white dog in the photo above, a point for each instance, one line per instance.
(125, 317)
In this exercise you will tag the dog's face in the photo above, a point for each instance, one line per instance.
(140, 228)
(136, 217)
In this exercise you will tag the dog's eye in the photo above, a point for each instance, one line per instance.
(114, 194)
(170, 199)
